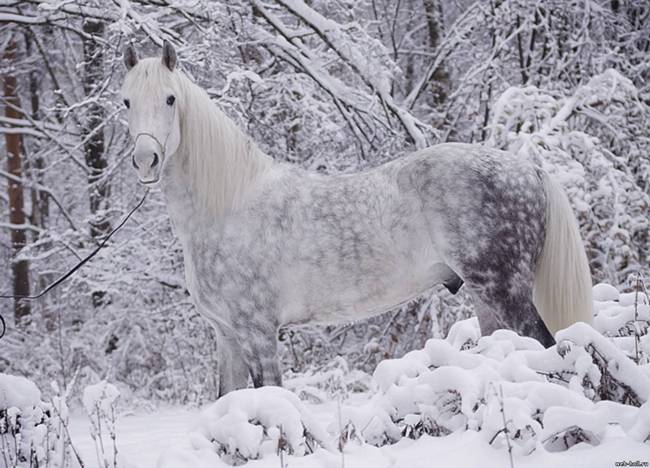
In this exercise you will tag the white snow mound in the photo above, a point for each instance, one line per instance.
(244, 424)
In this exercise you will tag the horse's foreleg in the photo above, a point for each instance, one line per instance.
(233, 370)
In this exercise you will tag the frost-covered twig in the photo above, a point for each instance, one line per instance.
(282, 447)
(298, 55)
(372, 75)
(639, 286)
(64, 424)
(342, 439)
(99, 402)
(505, 430)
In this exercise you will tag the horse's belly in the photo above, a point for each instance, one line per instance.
(341, 298)
(363, 304)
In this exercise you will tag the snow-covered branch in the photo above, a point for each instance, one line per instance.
(374, 74)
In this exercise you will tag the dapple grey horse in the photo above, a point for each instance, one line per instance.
(268, 244)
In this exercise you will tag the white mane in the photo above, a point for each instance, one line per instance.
(221, 161)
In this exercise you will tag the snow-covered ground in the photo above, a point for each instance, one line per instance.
(463, 401)
(144, 438)
(141, 437)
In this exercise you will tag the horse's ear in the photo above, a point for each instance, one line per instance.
(169, 55)
(130, 57)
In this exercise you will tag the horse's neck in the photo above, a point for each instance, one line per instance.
(184, 204)
(181, 202)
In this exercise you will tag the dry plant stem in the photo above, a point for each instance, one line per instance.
(281, 448)
(94, 435)
(5, 449)
(647, 297)
(113, 436)
(505, 424)
(341, 442)
(47, 452)
(636, 318)
(67, 435)
(99, 430)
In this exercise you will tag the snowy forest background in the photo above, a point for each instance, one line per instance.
(332, 85)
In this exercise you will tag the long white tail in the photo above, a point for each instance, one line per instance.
(562, 287)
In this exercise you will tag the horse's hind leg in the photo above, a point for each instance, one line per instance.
(258, 341)
(262, 356)
(514, 310)
(500, 280)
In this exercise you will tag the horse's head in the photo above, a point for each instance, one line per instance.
(151, 94)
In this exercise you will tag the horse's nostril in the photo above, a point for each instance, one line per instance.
(155, 160)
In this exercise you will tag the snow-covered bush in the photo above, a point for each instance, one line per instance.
(334, 380)
(584, 140)
(246, 424)
(99, 402)
(557, 397)
(32, 432)
(626, 318)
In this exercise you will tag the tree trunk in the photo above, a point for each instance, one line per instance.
(93, 133)
(40, 202)
(20, 269)
(99, 189)
(440, 78)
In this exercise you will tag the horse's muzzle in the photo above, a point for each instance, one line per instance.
(147, 163)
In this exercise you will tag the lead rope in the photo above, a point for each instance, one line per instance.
(70, 272)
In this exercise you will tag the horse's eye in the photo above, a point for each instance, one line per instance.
(127, 103)
(170, 100)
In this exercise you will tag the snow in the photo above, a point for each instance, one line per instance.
(29, 427)
(21, 19)
(141, 437)
(618, 364)
(240, 423)
(605, 292)
(640, 431)
(161, 440)
(100, 397)
(16, 391)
